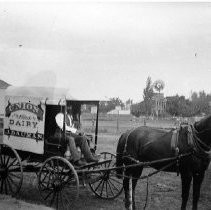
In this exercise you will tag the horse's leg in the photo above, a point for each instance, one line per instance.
(136, 175)
(126, 189)
(186, 181)
(197, 181)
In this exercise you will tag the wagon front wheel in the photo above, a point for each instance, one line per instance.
(11, 171)
(104, 183)
(58, 183)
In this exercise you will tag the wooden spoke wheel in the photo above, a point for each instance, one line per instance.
(58, 183)
(105, 184)
(11, 171)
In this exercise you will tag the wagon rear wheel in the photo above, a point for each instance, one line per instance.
(105, 184)
(11, 171)
(58, 183)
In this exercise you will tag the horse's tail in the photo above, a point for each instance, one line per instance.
(119, 156)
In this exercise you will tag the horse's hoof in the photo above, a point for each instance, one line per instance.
(127, 205)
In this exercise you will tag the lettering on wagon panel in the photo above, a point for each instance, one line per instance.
(26, 106)
(24, 119)
(23, 123)
(37, 136)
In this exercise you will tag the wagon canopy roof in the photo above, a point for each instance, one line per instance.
(46, 93)
(49, 95)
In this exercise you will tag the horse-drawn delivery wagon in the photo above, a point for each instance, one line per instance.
(29, 145)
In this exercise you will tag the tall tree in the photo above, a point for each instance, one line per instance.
(147, 95)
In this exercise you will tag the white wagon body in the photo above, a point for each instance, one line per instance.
(24, 120)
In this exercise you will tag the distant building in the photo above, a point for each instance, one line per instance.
(3, 86)
(122, 111)
(158, 104)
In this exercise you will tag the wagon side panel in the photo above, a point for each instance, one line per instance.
(24, 123)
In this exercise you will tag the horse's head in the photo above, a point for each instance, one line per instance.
(203, 130)
(203, 124)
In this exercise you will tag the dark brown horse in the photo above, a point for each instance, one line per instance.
(151, 144)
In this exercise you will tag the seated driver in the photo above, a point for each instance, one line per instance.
(75, 139)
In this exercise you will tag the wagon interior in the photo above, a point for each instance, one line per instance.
(57, 146)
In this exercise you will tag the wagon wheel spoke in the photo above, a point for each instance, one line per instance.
(1, 158)
(47, 196)
(60, 200)
(65, 202)
(2, 182)
(101, 193)
(62, 176)
(45, 176)
(111, 189)
(11, 173)
(57, 200)
(114, 186)
(12, 163)
(114, 180)
(52, 167)
(98, 185)
(5, 186)
(9, 185)
(12, 182)
(52, 199)
(70, 191)
(4, 157)
(58, 183)
(7, 161)
(107, 187)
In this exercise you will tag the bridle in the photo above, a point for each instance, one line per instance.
(199, 147)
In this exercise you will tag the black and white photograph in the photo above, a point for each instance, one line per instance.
(105, 105)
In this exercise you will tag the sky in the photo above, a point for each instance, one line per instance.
(105, 50)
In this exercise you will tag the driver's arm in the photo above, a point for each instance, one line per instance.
(71, 129)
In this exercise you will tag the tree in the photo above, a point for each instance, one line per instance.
(147, 95)
(138, 109)
(194, 96)
(111, 104)
(179, 106)
(135, 110)
(103, 106)
(200, 102)
(172, 105)
(159, 85)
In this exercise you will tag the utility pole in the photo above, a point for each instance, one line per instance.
(118, 108)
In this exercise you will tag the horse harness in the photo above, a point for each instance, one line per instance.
(126, 141)
(193, 141)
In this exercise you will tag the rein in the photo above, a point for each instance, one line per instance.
(125, 147)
